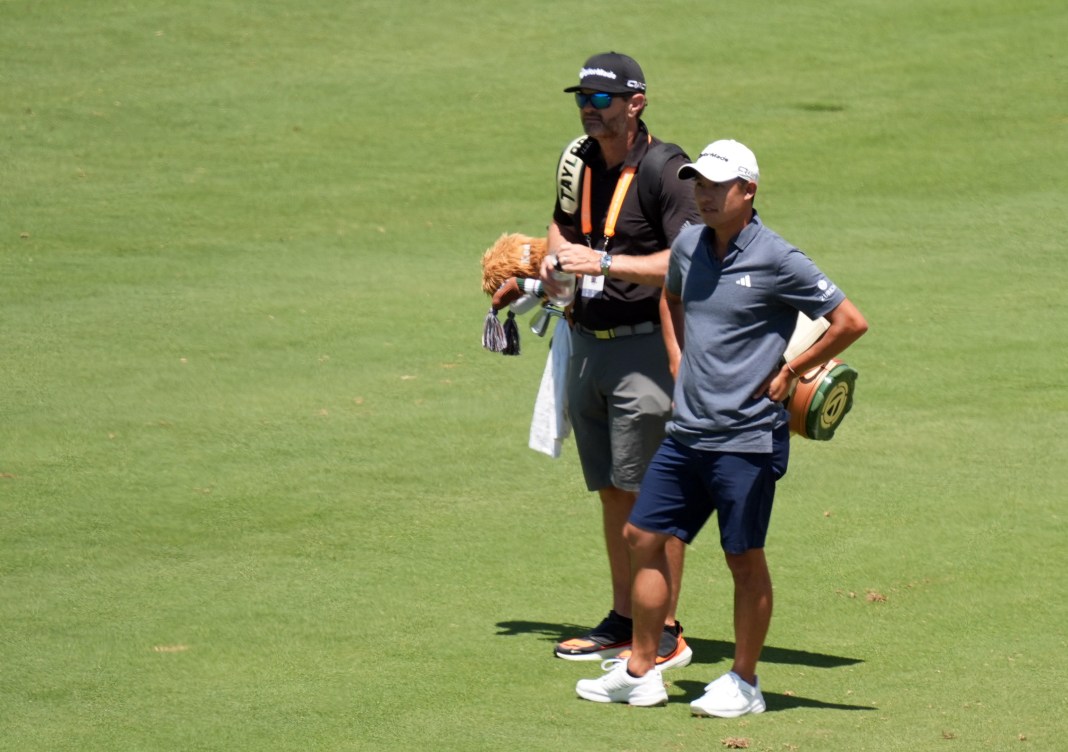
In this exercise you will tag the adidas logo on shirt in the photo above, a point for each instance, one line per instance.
(744, 281)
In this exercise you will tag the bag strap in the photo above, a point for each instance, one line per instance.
(569, 173)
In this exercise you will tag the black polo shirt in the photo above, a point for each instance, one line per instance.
(621, 302)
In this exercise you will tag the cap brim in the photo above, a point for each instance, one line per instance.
(616, 89)
(687, 172)
(708, 172)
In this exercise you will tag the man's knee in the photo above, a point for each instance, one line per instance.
(644, 542)
(748, 566)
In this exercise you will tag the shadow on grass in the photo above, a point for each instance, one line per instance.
(704, 651)
(776, 702)
(708, 651)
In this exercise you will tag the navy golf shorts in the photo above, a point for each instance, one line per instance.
(683, 487)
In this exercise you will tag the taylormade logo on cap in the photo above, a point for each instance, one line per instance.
(723, 161)
(612, 73)
(585, 72)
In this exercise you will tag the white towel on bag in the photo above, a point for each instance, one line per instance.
(550, 424)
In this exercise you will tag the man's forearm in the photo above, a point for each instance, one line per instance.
(644, 270)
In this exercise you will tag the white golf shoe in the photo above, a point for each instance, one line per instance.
(729, 696)
(618, 686)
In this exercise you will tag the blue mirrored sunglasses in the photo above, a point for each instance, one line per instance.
(599, 99)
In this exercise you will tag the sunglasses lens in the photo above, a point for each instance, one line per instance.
(600, 100)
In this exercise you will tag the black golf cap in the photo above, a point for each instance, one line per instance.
(612, 73)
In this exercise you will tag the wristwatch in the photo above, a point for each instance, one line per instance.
(606, 264)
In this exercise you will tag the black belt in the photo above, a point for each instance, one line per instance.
(645, 327)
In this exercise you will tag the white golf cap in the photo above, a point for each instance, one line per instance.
(723, 161)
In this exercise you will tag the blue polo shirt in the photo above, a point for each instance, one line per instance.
(739, 315)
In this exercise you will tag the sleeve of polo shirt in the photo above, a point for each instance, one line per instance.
(673, 279)
(682, 250)
(677, 205)
(803, 286)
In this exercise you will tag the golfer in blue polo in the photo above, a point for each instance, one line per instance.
(734, 289)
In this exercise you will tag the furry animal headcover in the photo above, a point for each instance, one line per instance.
(513, 255)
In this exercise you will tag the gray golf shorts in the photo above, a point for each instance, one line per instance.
(619, 399)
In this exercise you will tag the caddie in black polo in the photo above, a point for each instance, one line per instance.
(611, 73)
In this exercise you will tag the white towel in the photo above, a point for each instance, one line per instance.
(806, 333)
(551, 424)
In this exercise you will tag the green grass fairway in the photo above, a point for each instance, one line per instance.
(261, 488)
